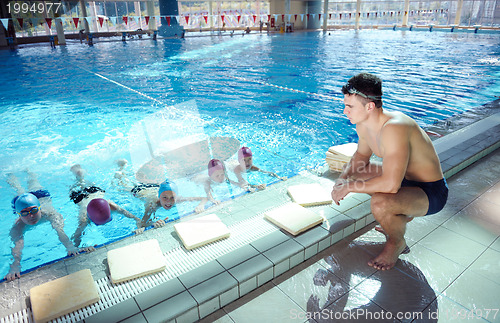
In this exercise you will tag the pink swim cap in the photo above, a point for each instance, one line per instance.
(214, 165)
(244, 152)
(98, 211)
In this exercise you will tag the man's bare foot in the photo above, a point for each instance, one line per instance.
(388, 257)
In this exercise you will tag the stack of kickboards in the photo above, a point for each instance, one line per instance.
(338, 156)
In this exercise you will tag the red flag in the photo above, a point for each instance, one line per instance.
(20, 22)
(359, 14)
(168, 20)
(187, 19)
(76, 20)
(101, 20)
(283, 18)
(206, 19)
(239, 17)
(147, 20)
(330, 16)
(222, 17)
(319, 17)
(340, 15)
(367, 15)
(307, 16)
(125, 20)
(349, 15)
(254, 17)
(295, 17)
(268, 17)
(49, 22)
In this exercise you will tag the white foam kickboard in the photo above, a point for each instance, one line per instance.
(201, 231)
(135, 260)
(309, 194)
(293, 218)
(63, 295)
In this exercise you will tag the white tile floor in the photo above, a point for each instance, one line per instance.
(452, 272)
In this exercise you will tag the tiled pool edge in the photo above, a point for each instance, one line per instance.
(233, 275)
(277, 253)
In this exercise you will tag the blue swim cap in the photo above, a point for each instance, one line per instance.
(167, 186)
(26, 200)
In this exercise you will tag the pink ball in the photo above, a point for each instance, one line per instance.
(98, 211)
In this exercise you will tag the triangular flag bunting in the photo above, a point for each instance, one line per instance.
(206, 19)
(113, 20)
(254, 17)
(319, 17)
(168, 20)
(302, 17)
(239, 17)
(147, 20)
(5, 22)
(307, 16)
(20, 20)
(101, 20)
(125, 20)
(283, 18)
(340, 15)
(295, 17)
(187, 20)
(49, 22)
(268, 17)
(222, 17)
(330, 16)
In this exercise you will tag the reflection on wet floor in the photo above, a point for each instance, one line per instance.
(451, 274)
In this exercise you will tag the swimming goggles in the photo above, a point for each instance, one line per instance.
(33, 211)
(351, 90)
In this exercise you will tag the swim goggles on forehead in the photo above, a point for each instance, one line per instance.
(33, 211)
(351, 90)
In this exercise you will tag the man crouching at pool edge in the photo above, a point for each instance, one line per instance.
(407, 183)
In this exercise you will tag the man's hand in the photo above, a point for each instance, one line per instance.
(340, 190)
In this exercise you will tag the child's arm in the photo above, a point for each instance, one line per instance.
(115, 207)
(201, 206)
(57, 222)
(284, 178)
(150, 208)
(16, 234)
(208, 191)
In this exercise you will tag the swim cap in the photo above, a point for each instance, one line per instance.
(26, 200)
(98, 211)
(214, 165)
(244, 152)
(167, 186)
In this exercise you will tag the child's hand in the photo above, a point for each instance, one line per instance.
(199, 209)
(159, 223)
(261, 186)
(73, 251)
(87, 249)
(284, 178)
(139, 230)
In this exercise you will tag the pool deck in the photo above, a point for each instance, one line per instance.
(203, 281)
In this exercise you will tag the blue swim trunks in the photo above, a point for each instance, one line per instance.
(437, 193)
(38, 193)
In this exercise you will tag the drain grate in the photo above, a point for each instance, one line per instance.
(179, 261)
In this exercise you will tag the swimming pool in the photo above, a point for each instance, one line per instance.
(274, 93)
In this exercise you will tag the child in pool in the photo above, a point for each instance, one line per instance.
(245, 164)
(82, 193)
(155, 196)
(33, 207)
(216, 176)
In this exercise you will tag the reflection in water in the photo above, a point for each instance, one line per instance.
(402, 292)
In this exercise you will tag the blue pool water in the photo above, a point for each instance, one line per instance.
(278, 94)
